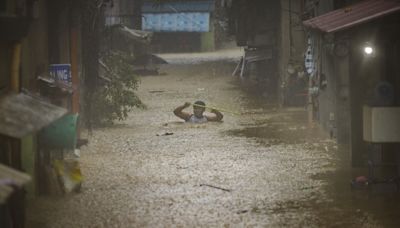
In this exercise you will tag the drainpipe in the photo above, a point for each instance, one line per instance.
(15, 65)
(310, 103)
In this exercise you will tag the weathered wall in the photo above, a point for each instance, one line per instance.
(207, 41)
(176, 42)
(291, 51)
(35, 49)
(285, 44)
(367, 72)
(342, 75)
(327, 89)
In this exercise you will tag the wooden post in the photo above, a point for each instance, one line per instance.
(15, 65)
(310, 103)
(74, 69)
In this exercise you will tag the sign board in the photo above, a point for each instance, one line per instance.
(176, 22)
(61, 73)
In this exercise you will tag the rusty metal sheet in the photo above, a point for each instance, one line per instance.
(353, 15)
(21, 114)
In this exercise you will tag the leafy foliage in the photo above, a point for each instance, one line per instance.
(115, 95)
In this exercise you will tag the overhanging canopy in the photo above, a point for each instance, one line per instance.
(179, 7)
(21, 114)
(137, 35)
(353, 15)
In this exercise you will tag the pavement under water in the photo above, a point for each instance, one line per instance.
(264, 168)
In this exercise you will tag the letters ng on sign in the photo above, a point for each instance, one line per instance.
(61, 73)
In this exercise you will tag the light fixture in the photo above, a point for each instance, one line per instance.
(368, 50)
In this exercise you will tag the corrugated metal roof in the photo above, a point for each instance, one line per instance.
(353, 15)
(178, 7)
(21, 114)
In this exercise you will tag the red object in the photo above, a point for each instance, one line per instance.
(361, 180)
(353, 15)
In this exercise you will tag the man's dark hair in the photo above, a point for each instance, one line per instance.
(201, 103)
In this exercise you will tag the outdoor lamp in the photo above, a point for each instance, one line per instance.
(369, 50)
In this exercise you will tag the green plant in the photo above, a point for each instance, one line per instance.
(115, 95)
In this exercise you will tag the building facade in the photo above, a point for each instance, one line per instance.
(354, 47)
(181, 26)
(273, 39)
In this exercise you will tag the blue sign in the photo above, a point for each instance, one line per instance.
(61, 73)
(176, 22)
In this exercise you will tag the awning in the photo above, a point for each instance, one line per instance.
(10, 178)
(178, 7)
(21, 114)
(353, 15)
(51, 83)
(137, 35)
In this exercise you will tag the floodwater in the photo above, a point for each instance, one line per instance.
(265, 167)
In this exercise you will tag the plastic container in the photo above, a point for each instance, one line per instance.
(61, 134)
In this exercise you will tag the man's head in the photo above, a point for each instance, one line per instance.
(199, 108)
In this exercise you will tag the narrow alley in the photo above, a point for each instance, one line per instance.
(263, 168)
(102, 103)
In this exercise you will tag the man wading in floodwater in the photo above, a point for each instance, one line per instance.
(197, 117)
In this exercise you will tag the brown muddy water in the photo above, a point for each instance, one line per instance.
(264, 168)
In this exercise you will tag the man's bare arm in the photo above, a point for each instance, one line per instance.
(179, 111)
(218, 116)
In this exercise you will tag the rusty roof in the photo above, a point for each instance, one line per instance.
(21, 114)
(353, 15)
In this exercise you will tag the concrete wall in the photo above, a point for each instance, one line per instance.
(327, 80)
(367, 72)
(176, 42)
(342, 75)
(207, 41)
(292, 47)
(332, 76)
(285, 44)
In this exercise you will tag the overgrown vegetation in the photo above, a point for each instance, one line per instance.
(108, 93)
(115, 95)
